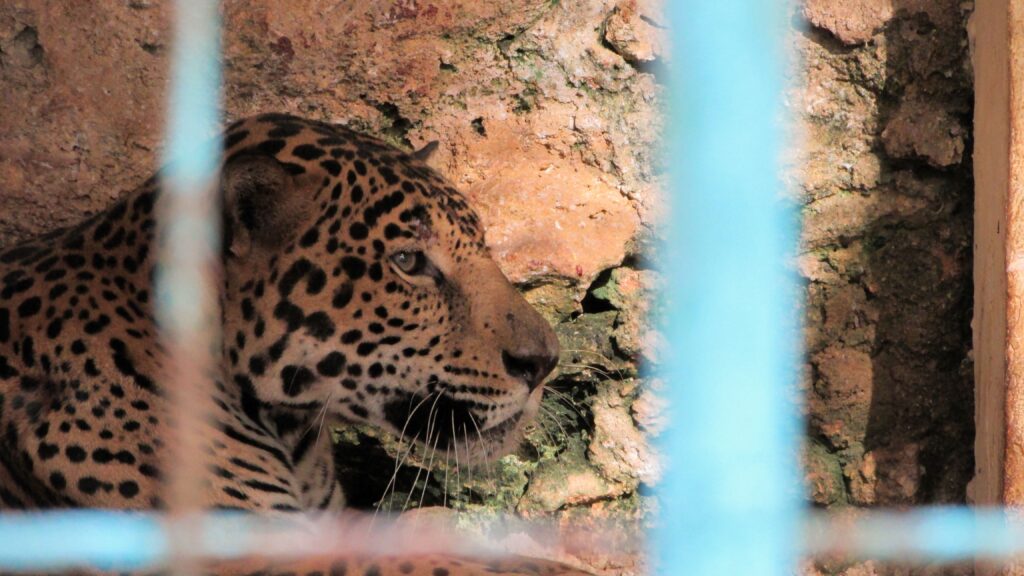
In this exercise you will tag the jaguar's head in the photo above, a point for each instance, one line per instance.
(358, 282)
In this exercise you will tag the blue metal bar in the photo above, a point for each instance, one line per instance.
(730, 499)
(192, 160)
(107, 540)
(187, 293)
(938, 534)
(63, 540)
(193, 120)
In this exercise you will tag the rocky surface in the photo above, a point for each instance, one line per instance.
(883, 107)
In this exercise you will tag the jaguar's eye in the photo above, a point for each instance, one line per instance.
(409, 262)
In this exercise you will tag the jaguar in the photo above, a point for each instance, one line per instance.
(355, 284)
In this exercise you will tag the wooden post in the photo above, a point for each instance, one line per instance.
(999, 258)
(1013, 478)
(991, 298)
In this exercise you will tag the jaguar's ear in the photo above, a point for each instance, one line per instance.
(261, 203)
(425, 153)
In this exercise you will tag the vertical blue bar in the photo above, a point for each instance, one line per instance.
(192, 159)
(731, 498)
(193, 116)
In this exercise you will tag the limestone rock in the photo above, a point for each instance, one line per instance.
(862, 474)
(564, 482)
(823, 475)
(851, 21)
(620, 451)
(842, 395)
(899, 474)
(555, 301)
(635, 31)
(925, 130)
(650, 408)
(549, 133)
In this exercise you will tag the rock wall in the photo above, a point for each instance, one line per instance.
(883, 101)
(547, 116)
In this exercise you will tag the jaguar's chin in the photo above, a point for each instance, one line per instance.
(441, 422)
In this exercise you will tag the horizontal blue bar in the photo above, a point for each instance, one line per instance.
(936, 535)
(127, 541)
(58, 540)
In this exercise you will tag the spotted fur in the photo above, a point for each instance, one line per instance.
(356, 283)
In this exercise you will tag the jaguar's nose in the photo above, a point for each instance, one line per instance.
(529, 367)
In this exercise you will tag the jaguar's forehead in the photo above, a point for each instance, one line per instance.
(381, 175)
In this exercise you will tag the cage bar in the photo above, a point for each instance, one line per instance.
(187, 296)
(730, 501)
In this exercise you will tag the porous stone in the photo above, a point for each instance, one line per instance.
(840, 403)
(620, 451)
(823, 475)
(650, 409)
(636, 31)
(567, 481)
(925, 130)
(851, 21)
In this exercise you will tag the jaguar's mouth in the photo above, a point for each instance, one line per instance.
(441, 421)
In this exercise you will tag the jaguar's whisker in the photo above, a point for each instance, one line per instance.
(455, 441)
(483, 446)
(554, 418)
(315, 418)
(323, 419)
(565, 400)
(391, 486)
(430, 468)
(447, 461)
(469, 455)
(419, 469)
(540, 424)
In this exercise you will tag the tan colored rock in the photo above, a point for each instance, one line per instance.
(851, 21)
(848, 215)
(650, 409)
(823, 476)
(636, 32)
(924, 129)
(889, 476)
(866, 172)
(862, 475)
(619, 451)
(555, 301)
(899, 474)
(631, 292)
(842, 398)
(886, 244)
(849, 316)
(545, 214)
(555, 485)
(813, 267)
(849, 261)
(861, 569)
(83, 107)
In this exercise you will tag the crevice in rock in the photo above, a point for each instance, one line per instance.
(23, 51)
(478, 126)
(395, 126)
(592, 303)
